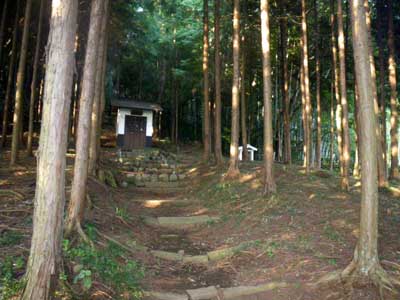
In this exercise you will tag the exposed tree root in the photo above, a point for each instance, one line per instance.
(82, 234)
(12, 193)
(232, 174)
(110, 239)
(352, 277)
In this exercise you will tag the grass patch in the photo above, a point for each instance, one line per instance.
(11, 269)
(10, 238)
(108, 265)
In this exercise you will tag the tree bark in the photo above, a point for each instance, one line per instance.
(394, 142)
(356, 169)
(306, 81)
(382, 94)
(45, 254)
(382, 176)
(34, 87)
(233, 170)
(206, 92)
(78, 192)
(17, 119)
(343, 100)
(243, 102)
(269, 181)
(10, 77)
(2, 27)
(97, 102)
(332, 124)
(338, 112)
(287, 149)
(365, 262)
(103, 82)
(318, 88)
(217, 124)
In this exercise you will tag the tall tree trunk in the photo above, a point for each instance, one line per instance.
(332, 124)
(343, 99)
(34, 86)
(10, 77)
(287, 149)
(233, 170)
(97, 105)
(382, 75)
(318, 88)
(206, 92)
(394, 142)
(335, 69)
(103, 82)
(45, 254)
(243, 102)
(217, 125)
(356, 169)
(78, 191)
(306, 80)
(2, 28)
(382, 172)
(365, 263)
(17, 119)
(269, 180)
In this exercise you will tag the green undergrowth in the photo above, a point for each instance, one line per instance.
(11, 269)
(10, 238)
(108, 265)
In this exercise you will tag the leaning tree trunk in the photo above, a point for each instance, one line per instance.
(17, 120)
(306, 82)
(287, 149)
(34, 87)
(318, 88)
(10, 77)
(206, 92)
(217, 123)
(2, 27)
(394, 144)
(99, 86)
(78, 191)
(233, 170)
(269, 180)
(382, 176)
(45, 254)
(343, 100)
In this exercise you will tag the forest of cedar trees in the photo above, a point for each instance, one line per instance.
(199, 149)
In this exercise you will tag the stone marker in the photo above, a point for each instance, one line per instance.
(173, 177)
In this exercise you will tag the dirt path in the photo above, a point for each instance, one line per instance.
(309, 228)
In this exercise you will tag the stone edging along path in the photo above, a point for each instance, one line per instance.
(213, 292)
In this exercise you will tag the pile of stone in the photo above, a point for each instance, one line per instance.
(144, 167)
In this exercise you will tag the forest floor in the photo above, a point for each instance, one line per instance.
(306, 230)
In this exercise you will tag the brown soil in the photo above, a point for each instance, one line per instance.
(309, 228)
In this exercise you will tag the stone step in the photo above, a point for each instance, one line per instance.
(213, 292)
(180, 222)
